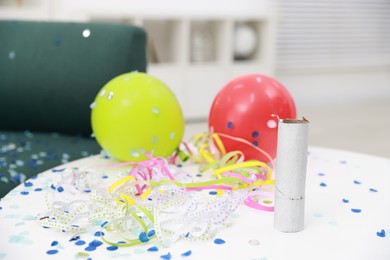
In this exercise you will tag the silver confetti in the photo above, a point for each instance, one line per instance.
(254, 242)
(93, 105)
(11, 55)
(110, 95)
(155, 110)
(86, 33)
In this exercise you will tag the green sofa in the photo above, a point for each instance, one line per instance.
(50, 73)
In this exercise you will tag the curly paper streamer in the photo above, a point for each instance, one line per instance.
(207, 148)
(155, 200)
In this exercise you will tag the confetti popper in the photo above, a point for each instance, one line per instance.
(290, 175)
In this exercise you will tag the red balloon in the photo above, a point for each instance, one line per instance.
(244, 109)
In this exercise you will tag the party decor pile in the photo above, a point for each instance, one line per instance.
(159, 199)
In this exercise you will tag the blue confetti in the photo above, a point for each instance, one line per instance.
(321, 174)
(34, 163)
(151, 233)
(53, 187)
(219, 241)
(104, 223)
(255, 134)
(188, 253)
(57, 42)
(345, 200)
(373, 190)
(17, 178)
(38, 189)
(143, 237)
(356, 210)
(357, 182)
(54, 243)
(255, 143)
(58, 170)
(112, 248)
(52, 252)
(28, 184)
(153, 249)
(381, 233)
(24, 192)
(213, 193)
(90, 248)
(60, 189)
(80, 243)
(230, 125)
(96, 243)
(75, 239)
(167, 256)
(99, 234)
(323, 184)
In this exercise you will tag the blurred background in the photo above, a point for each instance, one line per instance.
(333, 56)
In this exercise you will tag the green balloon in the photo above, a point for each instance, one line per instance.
(135, 113)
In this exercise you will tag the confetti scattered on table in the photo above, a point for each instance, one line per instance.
(153, 249)
(188, 253)
(166, 257)
(52, 252)
(381, 233)
(219, 241)
(87, 247)
(112, 248)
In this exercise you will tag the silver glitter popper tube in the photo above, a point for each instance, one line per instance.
(290, 174)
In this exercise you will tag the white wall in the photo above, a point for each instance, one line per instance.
(334, 51)
(324, 51)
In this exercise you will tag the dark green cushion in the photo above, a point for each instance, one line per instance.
(50, 73)
(25, 154)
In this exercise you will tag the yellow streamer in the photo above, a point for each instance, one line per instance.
(120, 182)
(146, 193)
(246, 164)
(219, 144)
(127, 199)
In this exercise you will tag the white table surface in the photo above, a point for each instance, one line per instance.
(337, 182)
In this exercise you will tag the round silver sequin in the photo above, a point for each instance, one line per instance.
(254, 242)
(155, 110)
(86, 33)
(272, 124)
(155, 140)
(110, 95)
(196, 229)
(136, 152)
(11, 55)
